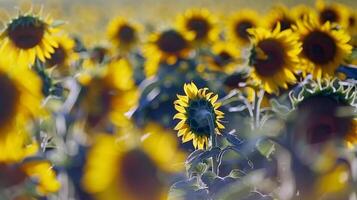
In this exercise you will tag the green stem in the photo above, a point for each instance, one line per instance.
(214, 143)
(257, 102)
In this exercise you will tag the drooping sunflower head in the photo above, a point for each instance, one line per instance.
(324, 112)
(279, 15)
(274, 58)
(122, 33)
(225, 57)
(121, 167)
(199, 115)
(27, 37)
(64, 55)
(323, 47)
(239, 23)
(20, 97)
(333, 13)
(165, 47)
(199, 22)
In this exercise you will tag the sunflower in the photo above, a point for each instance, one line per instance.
(27, 37)
(323, 47)
(239, 23)
(122, 168)
(199, 114)
(274, 58)
(199, 22)
(16, 146)
(279, 15)
(123, 34)
(113, 91)
(352, 27)
(301, 12)
(20, 97)
(321, 113)
(225, 57)
(64, 54)
(165, 47)
(333, 13)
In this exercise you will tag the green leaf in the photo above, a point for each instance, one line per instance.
(266, 148)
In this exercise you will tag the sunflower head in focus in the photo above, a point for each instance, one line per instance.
(199, 115)
(225, 57)
(27, 37)
(239, 23)
(122, 33)
(274, 58)
(64, 55)
(113, 93)
(199, 22)
(334, 13)
(323, 47)
(126, 168)
(279, 15)
(165, 47)
(324, 112)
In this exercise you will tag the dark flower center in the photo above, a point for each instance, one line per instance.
(285, 23)
(198, 116)
(200, 26)
(241, 29)
(274, 61)
(58, 57)
(9, 96)
(97, 54)
(11, 175)
(222, 59)
(319, 47)
(329, 14)
(351, 21)
(126, 34)
(139, 174)
(171, 42)
(233, 80)
(317, 121)
(101, 96)
(26, 31)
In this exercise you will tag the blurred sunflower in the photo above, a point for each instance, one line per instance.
(165, 47)
(323, 113)
(199, 22)
(341, 176)
(123, 34)
(323, 47)
(333, 13)
(64, 54)
(199, 115)
(301, 12)
(225, 57)
(27, 37)
(352, 27)
(113, 92)
(122, 168)
(16, 146)
(239, 23)
(279, 15)
(274, 58)
(20, 97)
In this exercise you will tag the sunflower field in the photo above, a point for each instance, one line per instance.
(178, 100)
